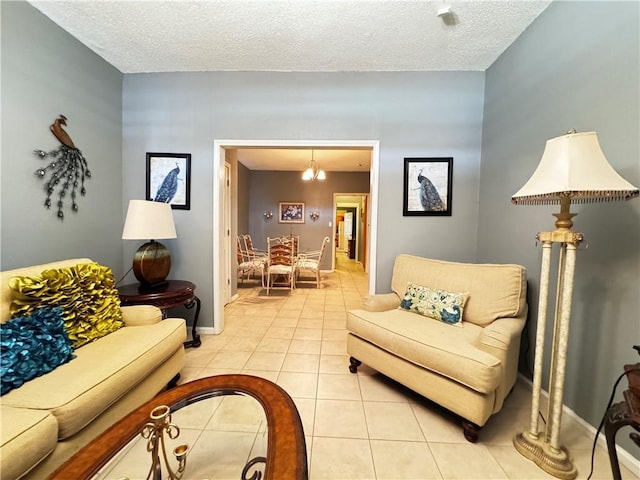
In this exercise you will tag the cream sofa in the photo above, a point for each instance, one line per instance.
(468, 369)
(48, 419)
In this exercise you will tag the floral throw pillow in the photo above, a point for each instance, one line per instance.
(442, 305)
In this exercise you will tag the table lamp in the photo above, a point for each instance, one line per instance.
(150, 221)
(573, 169)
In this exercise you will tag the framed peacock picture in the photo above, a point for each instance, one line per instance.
(427, 186)
(169, 179)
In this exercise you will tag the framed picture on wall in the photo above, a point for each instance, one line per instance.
(427, 186)
(291, 212)
(169, 179)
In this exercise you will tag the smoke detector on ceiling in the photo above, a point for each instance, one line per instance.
(447, 16)
(444, 11)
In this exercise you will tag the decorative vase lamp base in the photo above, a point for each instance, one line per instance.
(152, 264)
(554, 461)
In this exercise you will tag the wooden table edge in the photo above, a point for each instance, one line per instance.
(286, 448)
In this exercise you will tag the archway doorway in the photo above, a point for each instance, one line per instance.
(221, 235)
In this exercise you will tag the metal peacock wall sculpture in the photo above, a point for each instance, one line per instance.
(68, 169)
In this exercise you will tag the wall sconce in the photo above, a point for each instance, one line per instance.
(314, 215)
(268, 214)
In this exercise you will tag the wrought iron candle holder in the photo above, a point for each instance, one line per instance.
(314, 215)
(154, 432)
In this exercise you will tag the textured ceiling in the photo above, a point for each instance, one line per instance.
(294, 35)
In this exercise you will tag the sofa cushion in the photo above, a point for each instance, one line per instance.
(495, 291)
(31, 346)
(448, 307)
(26, 438)
(78, 391)
(431, 344)
(86, 292)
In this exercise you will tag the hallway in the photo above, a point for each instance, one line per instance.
(346, 265)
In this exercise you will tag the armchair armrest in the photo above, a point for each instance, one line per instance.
(502, 340)
(381, 302)
(138, 315)
(500, 335)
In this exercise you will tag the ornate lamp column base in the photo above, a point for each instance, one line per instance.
(554, 461)
(544, 448)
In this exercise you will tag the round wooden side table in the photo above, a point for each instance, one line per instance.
(173, 293)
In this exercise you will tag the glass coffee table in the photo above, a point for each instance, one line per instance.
(220, 427)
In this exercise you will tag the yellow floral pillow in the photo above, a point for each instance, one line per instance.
(86, 293)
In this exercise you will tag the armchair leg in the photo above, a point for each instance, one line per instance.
(471, 431)
(354, 363)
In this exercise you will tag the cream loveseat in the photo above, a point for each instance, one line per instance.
(468, 368)
(49, 418)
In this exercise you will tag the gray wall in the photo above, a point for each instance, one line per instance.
(423, 114)
(576, 66)
(46, 72)
(267, 190)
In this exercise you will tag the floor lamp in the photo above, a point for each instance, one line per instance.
(573, 169)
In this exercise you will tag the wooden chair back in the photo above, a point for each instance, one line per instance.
(280, 252)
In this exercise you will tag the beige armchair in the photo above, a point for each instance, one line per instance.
(468, 368)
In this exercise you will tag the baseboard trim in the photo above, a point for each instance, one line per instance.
(624, 456)
(205, 330)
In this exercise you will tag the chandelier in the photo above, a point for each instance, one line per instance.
(313, 172)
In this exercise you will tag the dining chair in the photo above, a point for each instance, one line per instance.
(248, 263)
(280, 263)
(251, 250)
(310, 261)
(295, 240)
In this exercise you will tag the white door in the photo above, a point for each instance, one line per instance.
(226, 254)
(348, 225)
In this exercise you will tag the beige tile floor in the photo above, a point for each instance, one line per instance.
(362, 426)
